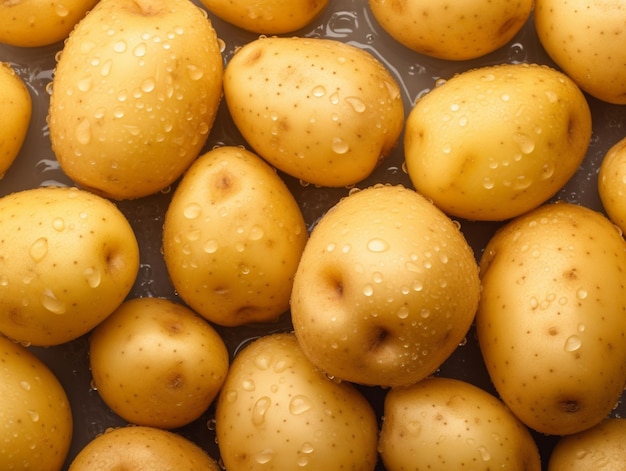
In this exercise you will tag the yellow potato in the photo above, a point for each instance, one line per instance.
(612, 183)
(35, 416)
(459, 30)
(444, 423)
(142, 449)
(17, 108)
(278, 412)
(134, 95)
(155, 362)
(386, 288)
(550, 322)
(232, 238)
(600, 447)
(68, 258)
(494, 142)
(32, 23)
(585, 40)
(320, 110)
(267, 16)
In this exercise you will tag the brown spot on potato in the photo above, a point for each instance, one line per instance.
(569, 406)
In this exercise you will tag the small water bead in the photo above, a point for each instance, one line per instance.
(83, 132)
(484, 453)
(192, 210)
(248, 385)
(318, 91)
(93, 277)
(265, 456)
(39, 249)
(299, 404)
(377, 245)
(148, 85)
(25, 385)
(552, 96)
(194, 72)
(572, 343)
(84, 84)
(334, 98)
(340, 146)
(119, 46)
(581, 294)
(34, 415)
(261, 406)
(525, 142)
(106, 68)
(50, 302)
(356, 103)
(368, 290)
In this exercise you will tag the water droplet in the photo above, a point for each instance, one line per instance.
(83, 132)
(572, 343)
(119, 46)
(140, 50)
(484, 453)
(39, 249)
(231, 396)
(84, 84)
(300, 404)
(488, 183)
(334, 98)
(34, 415)
(261, 406)
(425, 313)
(148, 85)
(248, 385)
(525, 142)
(192, 210)
(403, 312)
(581, 294)
(551, 96)
(414, 427)
(262, 362)
(93, 277)
(210, 246)
(339, 145)
(25, 385)
(368, 290)
(58, 224)
(256, 233)
(377, 245)
(194, 72)
(356, 103)
(265, 456)
(106, 68)
(51, 303)
(61, 10)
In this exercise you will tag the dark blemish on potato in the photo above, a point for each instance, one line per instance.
(569, 406)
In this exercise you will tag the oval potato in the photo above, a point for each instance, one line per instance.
(551, 322)
(17, 108)
(386, 288)
(68, 258)
(452, 30)
(134, 95)
(494, 142)
(36, 419)
(612, 183)
(232, 238)
(267, 16)
(320, 110)
(155, 362)
(445, 423)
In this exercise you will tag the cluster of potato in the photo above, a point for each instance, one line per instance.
(380, 291)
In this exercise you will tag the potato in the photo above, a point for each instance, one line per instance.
(134, 95)
(612, 183)
(267, 16)
(444, 423)
(278, 412)
(386, 288)
(600, 447)
(17, 109)
(452, 31)
(582, 37)
(142, 448)
(320, 110)
(494, 142)
(232, 238)
(68, 259)
(551, 322)
(36, 418)
(156, 363)
(33, 23)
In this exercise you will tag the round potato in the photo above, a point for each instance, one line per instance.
(35, 417)
(455, 30)
(232, 238)
(267, 16)
(444, 423)
(320, 110)
(551, 320)
(142, 448)
(68, 258)
(17, 109)
(494, 142)
(156, 363)
(134, 95)
(612, 183)
(582, 37)
(278, 412)
(600, 447)
(33, 23)
(386, 288)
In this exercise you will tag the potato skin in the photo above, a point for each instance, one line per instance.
(35, 417)
(551, 322)
(17, 108)
(155, 362)
(68, 259)
(452, 31)
(320, 110)
(600, 447)
(444, 423)
(479, 151)
(232, 238)
(278, 412)
(612, 183)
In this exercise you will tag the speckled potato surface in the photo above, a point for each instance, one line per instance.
(445, 423)
(386, 288)
(584, 38)
(134, 95)
(232, 238)
(68, 258)
(17, 108)
(612, 183)
(267, 16)
(551, 322)
(320, 110)
(35, 418)
(157, 363)
(278, 412)
(494, 142)
(458, 30)
(142, 448)
(34, 23)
